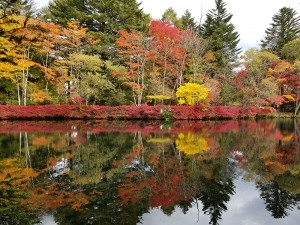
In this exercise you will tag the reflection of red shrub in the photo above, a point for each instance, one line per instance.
(128, 112)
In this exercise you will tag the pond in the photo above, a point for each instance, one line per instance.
(135, 172)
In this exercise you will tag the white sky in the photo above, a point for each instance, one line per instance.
(250, 17)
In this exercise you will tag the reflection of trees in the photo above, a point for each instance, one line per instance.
(12, 210)
(278, 201)
(212, 181)
(216, 193)
(191, 144)
(92, 168)
(273, 161)
(115, 177)
(92, 161)
(106, 211)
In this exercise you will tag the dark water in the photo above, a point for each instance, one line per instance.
(128, 173)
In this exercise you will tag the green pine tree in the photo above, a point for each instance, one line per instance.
(284, 28)
(188, 22)
(222, 35)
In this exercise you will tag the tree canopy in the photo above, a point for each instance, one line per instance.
(221, 34)
(284, 28)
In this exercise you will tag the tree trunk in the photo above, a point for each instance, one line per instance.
(18, 92)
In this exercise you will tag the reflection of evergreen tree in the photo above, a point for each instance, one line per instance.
(278, 201)
(103, 213)
(185, 206)
(217, 191)
(9, 145)
(12, 210)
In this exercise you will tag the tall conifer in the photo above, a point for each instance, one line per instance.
(284, 28)
(222, 35)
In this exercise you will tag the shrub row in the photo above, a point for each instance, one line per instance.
(130, 112)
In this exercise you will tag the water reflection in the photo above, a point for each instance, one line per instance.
(118, 172)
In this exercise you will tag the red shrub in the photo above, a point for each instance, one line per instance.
(129, 112)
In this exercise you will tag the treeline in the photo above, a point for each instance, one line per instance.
(112, 53)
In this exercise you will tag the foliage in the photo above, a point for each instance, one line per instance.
(12, 210)
(102, 18)
(191, 144)
(188, 22)
(167, 115)
(170, 15)
(137, 50)
(191, 94)
(290, 50)
(68, 52)
(129, 112)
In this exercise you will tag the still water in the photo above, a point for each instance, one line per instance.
(150, 173)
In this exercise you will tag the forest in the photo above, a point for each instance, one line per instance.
(112, 53)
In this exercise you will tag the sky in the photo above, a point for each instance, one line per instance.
(250, 17)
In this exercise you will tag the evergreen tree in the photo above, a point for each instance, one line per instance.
(188, 22)
(222, 35)
(16, 7)
(284, 28)
(103, 18)
(278, 201)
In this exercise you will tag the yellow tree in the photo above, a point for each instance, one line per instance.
(191, 94)
(19, 34)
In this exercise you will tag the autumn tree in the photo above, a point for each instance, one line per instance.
(284, 28)
(198, 54)
(191, 94)
(288, 82)
(170, 52)
(18, 42)
(257, 82)
(89, 80)
(222, 36)
(16, 28)
(138, 52)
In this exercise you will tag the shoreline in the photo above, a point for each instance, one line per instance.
(131, 112)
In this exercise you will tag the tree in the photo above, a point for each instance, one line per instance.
(170, 52)
(289, 82)
(284, 28)
(278, 201)
(137, 50)
(188, 22)
(222, 35)
(291, 50)
(191, 93)
(297, 94)
(257, 85)
(171, 16)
